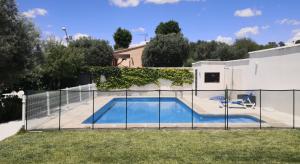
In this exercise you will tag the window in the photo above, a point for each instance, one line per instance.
(212, 77)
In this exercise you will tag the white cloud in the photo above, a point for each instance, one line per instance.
(195, 0)
(246, 31)
(265, 27)
(138, 44)
(289, 21)
(296, 31)
(47, 33)
(35, 12)
(295, 37)
(80, 35)
(171, 1)
(139, 29)
(125, 3)
(248, 12)
(52, 37)
(134, 3)
(223, 39)
(161, 1)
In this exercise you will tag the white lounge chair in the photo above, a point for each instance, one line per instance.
(235, 103)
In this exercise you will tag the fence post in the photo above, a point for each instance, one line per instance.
(227, 121)
(67, 95)
(159, 109)
(293, 108)
(192, 109)
(79, 93)
(90, 88)
(59, 114)
(225, 108)
(48, 103)
(126, 110)
(24, 109)
(260, 109)
(93, 110)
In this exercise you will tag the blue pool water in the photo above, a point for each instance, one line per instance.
(146, 110)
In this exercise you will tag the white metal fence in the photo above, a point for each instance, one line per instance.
(84, 107)
(44, 104)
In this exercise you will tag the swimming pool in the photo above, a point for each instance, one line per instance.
(146, 110)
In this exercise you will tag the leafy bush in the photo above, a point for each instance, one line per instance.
(178, 77)
(120, 78)
(10, 109)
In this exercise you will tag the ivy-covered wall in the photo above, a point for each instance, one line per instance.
(121, 78)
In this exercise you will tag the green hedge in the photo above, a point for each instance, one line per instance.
(121, 78)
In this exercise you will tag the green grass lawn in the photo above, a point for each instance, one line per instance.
(153, 146)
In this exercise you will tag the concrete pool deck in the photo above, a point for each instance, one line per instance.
(74, 114)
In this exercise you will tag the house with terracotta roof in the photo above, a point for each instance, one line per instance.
(130, 57)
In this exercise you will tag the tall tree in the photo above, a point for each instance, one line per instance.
(62, 65)
(167, 28)
(246, 44)
(166, 51)
(203, 50)
(212, 50)
(122, 38)
(96, 52)
(18, 43)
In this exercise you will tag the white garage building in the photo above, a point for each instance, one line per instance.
(270, 69)
(276, 68)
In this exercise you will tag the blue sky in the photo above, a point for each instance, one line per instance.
(223, 20)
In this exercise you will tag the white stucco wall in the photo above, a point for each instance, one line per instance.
(277, 68)
(233, 74)
(237, 73)
(206, 67)
(276, 72)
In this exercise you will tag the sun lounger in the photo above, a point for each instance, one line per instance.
(245, 102)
